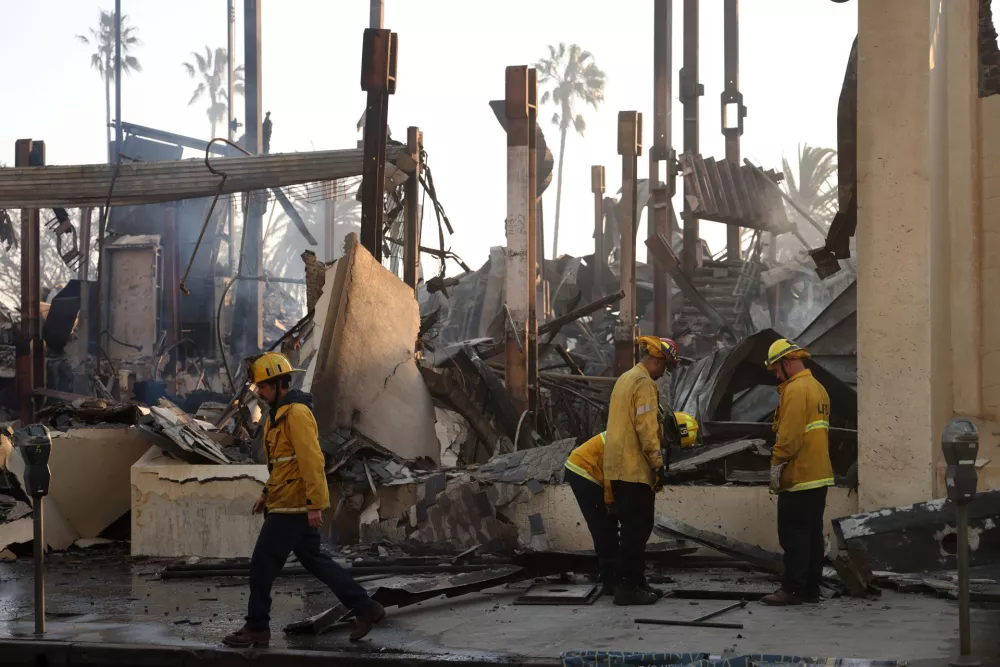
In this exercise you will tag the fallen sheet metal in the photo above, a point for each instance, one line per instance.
(752, 554)
(560, 594)
(732, 194)
(184, 431)
(412, 592)
(712, 453)
(922, 537)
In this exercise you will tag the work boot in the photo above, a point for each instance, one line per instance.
(812, 597)
(781, 598)
(246, 638)
(364, 623)
(632, 595)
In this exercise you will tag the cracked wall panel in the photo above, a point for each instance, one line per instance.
(365, 375)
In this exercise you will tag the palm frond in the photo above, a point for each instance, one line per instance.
(189, 69)
(580, 124)
(198, 92)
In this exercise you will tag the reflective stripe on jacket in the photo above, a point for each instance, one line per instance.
(297, 482)
(632, 451)
(802, 424)
(587, 461)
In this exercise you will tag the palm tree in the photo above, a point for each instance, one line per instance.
(813, 186)
(574, 77)
(213, 69)
(103, 37)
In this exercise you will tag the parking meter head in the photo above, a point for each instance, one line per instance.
(35, 445)
(960, 445)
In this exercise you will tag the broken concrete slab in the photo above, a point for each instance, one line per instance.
(364, 375)
(18, 531)
(84, 460)
(170, 496)
(922, 537)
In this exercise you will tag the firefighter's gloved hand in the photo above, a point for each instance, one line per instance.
(661, 478)
(775, 482)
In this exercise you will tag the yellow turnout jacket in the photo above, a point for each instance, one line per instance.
(632, 451)
(297, 482)
(802, 424)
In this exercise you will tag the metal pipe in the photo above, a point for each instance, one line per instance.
(661, 621)
(720, 612)
(30, 368)
(377, 17)
(582, 311)
(230, 120)
(964, 627)
(118, 80)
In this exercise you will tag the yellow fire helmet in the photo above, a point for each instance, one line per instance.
(783, 348)
(688, 426)
(270, 365)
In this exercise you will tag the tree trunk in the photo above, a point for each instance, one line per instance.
(107, 102)
(555, 229)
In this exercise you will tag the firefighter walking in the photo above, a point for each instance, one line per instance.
(800, 472)
(293, 501)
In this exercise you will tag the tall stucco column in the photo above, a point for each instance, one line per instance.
(904, 392)
(920, 299)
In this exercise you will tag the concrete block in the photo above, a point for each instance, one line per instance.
(90, 480)
(364, 374)
(184, 509)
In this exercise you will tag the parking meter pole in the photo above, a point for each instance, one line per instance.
(964, 626)
(39, 566)
(960, 445)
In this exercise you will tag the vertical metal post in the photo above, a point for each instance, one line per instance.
(171, 276)
(600, 254)
(38, 538)
(733, 111)
(30, 369)
(534, 259)
(630, 148)
(230, 124)
(691, 91)
(411, 230)
(658, 218)
(86, 220)
(519, 275)
(118, 81)
(377, 18)
(249, 315)
(964, 629)
(378, 79)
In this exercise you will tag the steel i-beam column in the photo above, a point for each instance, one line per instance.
(691, 91)
(733, 111)
(630, 148)
(600, 254)
(249, 312)
(658, 220)
(519, 277)
(534, 259)
(30, 368)
(378, 79)
(411, 229)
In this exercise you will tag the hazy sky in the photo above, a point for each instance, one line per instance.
(452, 57)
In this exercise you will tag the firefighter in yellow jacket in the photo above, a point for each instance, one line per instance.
(585, 476)
(292, 501)
(634, 465)
(800, 472)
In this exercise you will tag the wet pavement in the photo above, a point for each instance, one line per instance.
(106, 596)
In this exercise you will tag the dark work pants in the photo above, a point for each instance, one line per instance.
(602, 524)
(281, 535)
(634, 502)
(800, 532)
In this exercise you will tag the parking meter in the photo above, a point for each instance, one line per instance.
(35, 445)
(960, 444)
